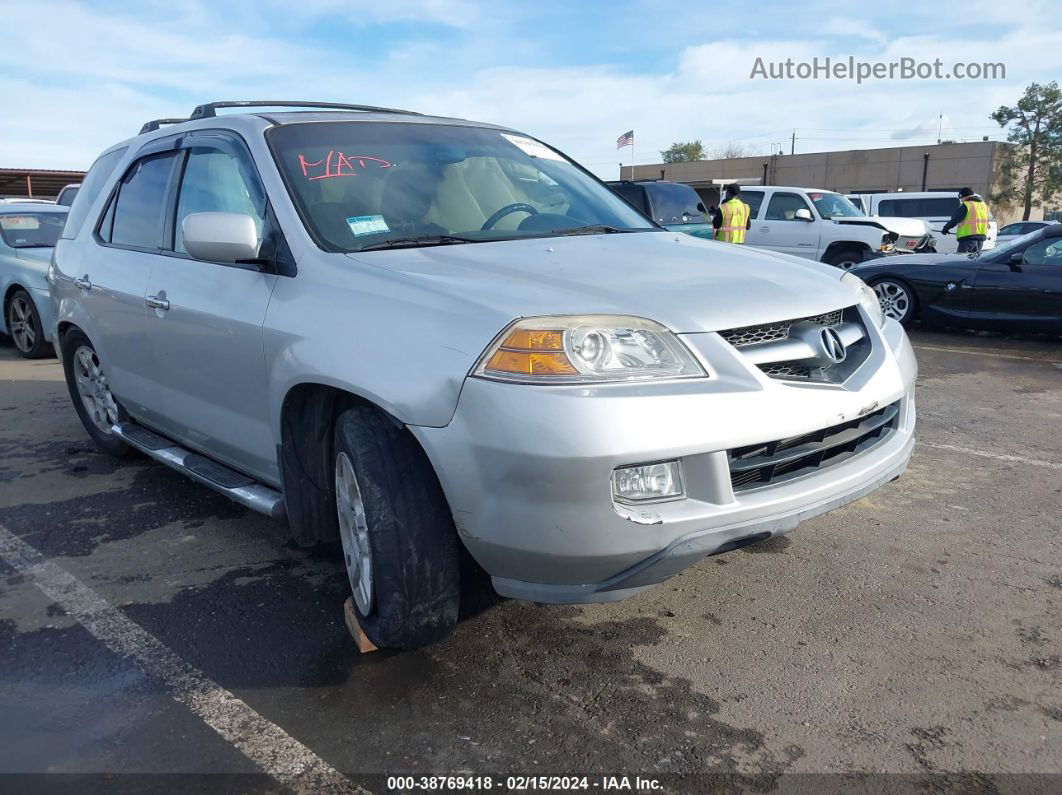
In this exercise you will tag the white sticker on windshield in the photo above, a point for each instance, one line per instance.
(533, 148)
(367, 225)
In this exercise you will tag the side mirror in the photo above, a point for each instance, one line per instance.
(220, 237)
(803, 214)
(1016, 260)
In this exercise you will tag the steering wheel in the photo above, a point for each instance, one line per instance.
(518, 207)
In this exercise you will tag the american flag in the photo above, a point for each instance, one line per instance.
(627, 139)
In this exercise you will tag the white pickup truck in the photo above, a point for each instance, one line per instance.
(825, 226)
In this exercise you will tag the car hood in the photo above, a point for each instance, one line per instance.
(905, 227)
(688, 284)
(35, 255)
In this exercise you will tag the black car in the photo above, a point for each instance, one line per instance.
(1017, 286)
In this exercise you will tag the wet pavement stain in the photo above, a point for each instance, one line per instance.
(78, 525)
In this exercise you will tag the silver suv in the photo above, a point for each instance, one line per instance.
(423, 334)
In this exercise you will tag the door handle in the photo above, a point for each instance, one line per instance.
(83, 283)
(157, 303)
(765, 229)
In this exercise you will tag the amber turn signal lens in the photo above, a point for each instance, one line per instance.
(532, 352)
(534, 340)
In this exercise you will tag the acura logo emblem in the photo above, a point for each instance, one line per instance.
(832, 345)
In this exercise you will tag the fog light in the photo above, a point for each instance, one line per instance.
(648, 482)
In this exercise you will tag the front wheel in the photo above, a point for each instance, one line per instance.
(847, 259)
(25, 327)
(897, 300)
(400, 547)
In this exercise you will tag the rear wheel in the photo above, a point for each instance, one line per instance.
(94, 403)
(25, 327)
(400, 546)
(897, 300)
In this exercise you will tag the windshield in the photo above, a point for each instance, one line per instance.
(31, 230)
(674, 203)
(834, 205)
(362, 184)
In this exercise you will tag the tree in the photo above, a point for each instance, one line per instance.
(683, 152)
(730, 150)
(1031, 170)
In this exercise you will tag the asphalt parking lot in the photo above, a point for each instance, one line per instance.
(915, 631)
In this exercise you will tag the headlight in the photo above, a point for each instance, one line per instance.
(586, 348)
(867, 297)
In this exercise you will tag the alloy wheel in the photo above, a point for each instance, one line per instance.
(94, 390)
(894, 298)
(354, 533)
(20, 324)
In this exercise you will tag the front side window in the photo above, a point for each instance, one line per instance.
(1045, 252)
(783, 207)
(834, 205)
(216, 181)
(134, 218)
(31, 230)
(374, 184)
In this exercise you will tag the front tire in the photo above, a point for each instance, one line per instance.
(897, 300)
(846, 259)
(400, 546)
(25, 327)
(87, 382)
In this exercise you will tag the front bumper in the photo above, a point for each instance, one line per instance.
(527, 470)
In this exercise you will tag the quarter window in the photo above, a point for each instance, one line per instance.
(134, 218)
(783, 207)
(90, 188)
(217, 181)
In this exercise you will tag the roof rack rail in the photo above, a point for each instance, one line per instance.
(208, 110)
(154, 124)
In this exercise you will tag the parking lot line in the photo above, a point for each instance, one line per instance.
(998, 456)
(976, 352)
(278, 754)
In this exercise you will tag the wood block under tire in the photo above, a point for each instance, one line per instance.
(363, 643)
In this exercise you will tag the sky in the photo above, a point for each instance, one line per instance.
(79, 75)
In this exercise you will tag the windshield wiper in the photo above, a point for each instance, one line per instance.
(419, 240)
(592, 229)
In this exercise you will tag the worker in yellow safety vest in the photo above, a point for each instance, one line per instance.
(733, 217)
(970, 221)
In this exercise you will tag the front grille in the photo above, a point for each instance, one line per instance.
(767, 346)
(769, 332)
(766, 463)
(785, 370)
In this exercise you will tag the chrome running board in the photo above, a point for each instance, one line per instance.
(234, 485)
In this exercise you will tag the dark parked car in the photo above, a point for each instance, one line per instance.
(671, 204)
(1017, 286)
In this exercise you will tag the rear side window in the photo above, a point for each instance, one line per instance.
(753, 198)
(134, 218)
(93, 183)
(783, 207)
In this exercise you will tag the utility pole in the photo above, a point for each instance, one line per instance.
(940, 126)
(792, 144)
